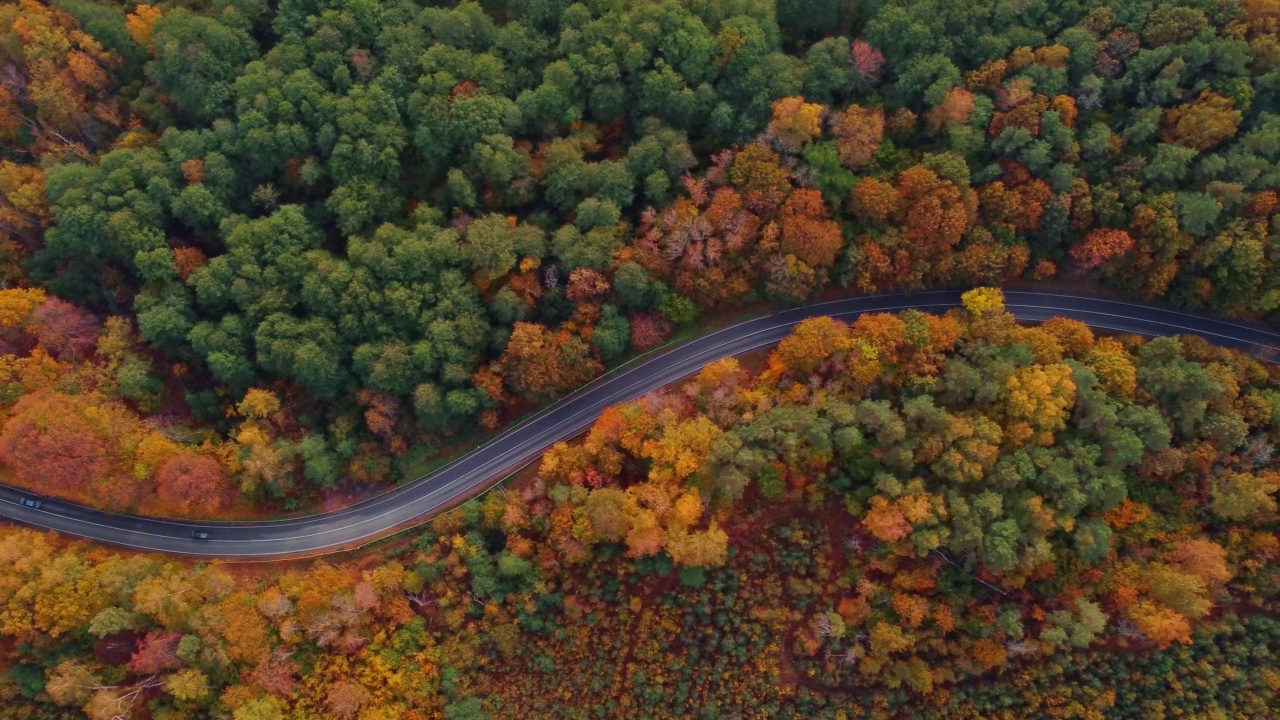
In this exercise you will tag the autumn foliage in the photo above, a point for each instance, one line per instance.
(795, 122)
(539, 363)
(858, 134)
(76, 444)
(1101, 247)
(404, 262)
(261, 258)
(891, 507)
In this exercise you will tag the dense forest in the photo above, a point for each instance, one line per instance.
(258, 257)
(308, 244)
(1079, 526)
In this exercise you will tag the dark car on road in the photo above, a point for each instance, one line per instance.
(29, 502)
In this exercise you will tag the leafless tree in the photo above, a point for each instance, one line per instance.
(419, 599)
(1021, 647)
(822, 625)
(1126, 628)
(128, 695)
(940, 553)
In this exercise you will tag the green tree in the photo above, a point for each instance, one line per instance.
(631, 283)
(612, 333)
(468, 709)
(492, 244)
(196, 61)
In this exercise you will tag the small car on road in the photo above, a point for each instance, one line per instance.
(200, 535)
(29, 502)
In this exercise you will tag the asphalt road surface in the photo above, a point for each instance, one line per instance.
(524, 442)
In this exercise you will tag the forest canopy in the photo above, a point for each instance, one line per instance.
(949, 516)
(258, 257)
(409, 220)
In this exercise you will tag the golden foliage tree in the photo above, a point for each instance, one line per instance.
(1203, 123)
(795, 122)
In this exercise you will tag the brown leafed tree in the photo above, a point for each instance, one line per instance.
(858, 134)
(1202, 124)
(66, 445)
(1100, 247)
(955, 108)
(758, 174)
(795, 122)
(345, 698)
(192, 483)
(874, 200)
(808, 231)
(541, 363)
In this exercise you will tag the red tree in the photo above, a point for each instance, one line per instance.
(157, 652)
(60, 443)
(867, 62)
(648, 331)
(189, 481)
(703, 243)
(64, 329)
(1100, 247)
(808, 231)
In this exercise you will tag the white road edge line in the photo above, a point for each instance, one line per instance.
(581, 419)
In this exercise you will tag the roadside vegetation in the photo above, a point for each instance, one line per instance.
(951, 516)
(299, 241)
(264, 257)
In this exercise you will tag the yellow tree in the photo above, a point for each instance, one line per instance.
(795, 122)
(60, 86)
(983, 301)
(758, 174)
(258, 404)
(1179, 591)
(16, 305)
(1113, 365)
(1160, 624)
(686, 511)
(680, 449)
(813, 341)
(1241, 496)
(708, 548)
(188, 685)
(611, 512)
(858, 134)
(1041, 396)
(24, 210)
(1202, 124)
(719, 374)
(140, 23)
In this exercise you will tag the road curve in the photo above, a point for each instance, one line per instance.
(524, 442)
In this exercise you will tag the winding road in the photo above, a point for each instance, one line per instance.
(522, 443)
